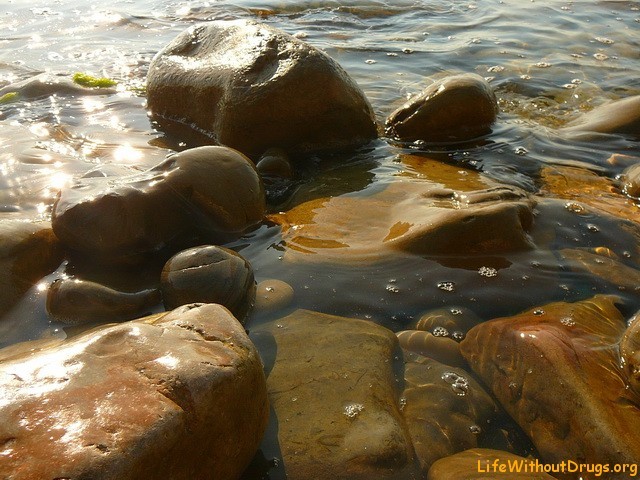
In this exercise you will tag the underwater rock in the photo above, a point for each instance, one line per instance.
(209, 274)
(631, 181)
(254, 87)
(603, 266)
(617, 117)
(480, 464)
(272, 295)
(452, 322)
(74, 302)
(214, 190)
(556, 370)
(180, 395)
(334, 391)
(47, 84)
(28, 252)
(453, 109)
(444, 350)
(274, 164)
(419, 216)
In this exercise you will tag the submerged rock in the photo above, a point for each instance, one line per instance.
(603, 266)
(254, 87)
(618, 117)
(335, 394)
(28, 252)
(444, 350)
(630, 353)
(453, 109)
(275, 165)
(209, 274)
(74, 302)
(452, 322)
(556, 370)
(631, 182)
(486, 464)
(208, 189)
(272, 295)
(180, 395)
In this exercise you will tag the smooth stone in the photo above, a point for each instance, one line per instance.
(603, 266)
(556, 370)
(28, 251)
(214, 190)
(209, 274)
(617, 117)
(584, 187)
(446, 410)
(443, 349)
(335, 393)
(631, 181)
(254, 87)
(439, 215)
(480, 464)
(275, 164)
(180, 395)
(75, 302)
(452, 322)
(452, 109)
(630, 353)
(273, 295)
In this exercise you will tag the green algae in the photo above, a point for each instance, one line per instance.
(8, 97)
(85, 80)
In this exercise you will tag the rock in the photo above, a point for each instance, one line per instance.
(617, 117)
(74, 302)
(28, 252)
(486, 464)
(209, 189)
(446, 410)
(272, 295)
(452, 322)
(274, 164)
(453, 109)
(209, 274)
(630, 353)
(335, 395)
(603, 266)
(556, 370)
(421, 216)
(631, 183)
(47, 84)
(254, 87)
(443, 349)
(181, 396)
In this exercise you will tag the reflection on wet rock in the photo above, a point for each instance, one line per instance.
(480, 464)
(453, 109)
(180, 395)
(446, 410)
(209, 274)
(556, 370)
(335, 394)
(272, 295)
(603, 266)
(452, 322)
(210, 189)
(255, 87)
(444, 350)
(28, 251)
(620, 116)
(438, 215)
(630, 352)
(631, 182)
(74, 302)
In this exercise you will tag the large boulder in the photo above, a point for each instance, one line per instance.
(453, 109)
(209, 189)
(336, 397)
(254, 87)
(556, 371)
(28, 252)
(180, 395)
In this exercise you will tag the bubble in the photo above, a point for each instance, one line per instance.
(487, 271)
(407, 50)
(605, 40)
(440, 332)
(457, 336)
(569, 86)
(459, 384)
(447, 286)
(392, 54)
(403, 403)
(392, 288)
(521, 151)
(370, 62)
(538, 312)
(353, 410)
(567, 321)
(592, 228)
(456, 311)
(574, 207)
(475, 429)
(600, 56)
(543, 65)
(495, 68)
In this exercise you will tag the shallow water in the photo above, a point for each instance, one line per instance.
(547, 61)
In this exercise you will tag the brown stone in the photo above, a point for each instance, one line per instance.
(443, 349)
(452, 322)
(479, 464)
(620, 116)
(254, 87)
(456, 108)
(631, 182)
(180, 395)
(272, 295)
(602, 265)
(556, 371)
(335, 394)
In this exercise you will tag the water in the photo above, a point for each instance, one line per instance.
(548, 61)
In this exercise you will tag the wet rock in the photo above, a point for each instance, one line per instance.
(418, 216)
(209, 274)
(440, 348)
(630, 353)
(74, 302)
(453, 109)
(486, 464)
(272, 295)
(47, 84)
(631, 181)
(556, 371)
(180, 395)
(584, 187)
(28, 252)
(452, 322)
(274, 164)
(208, 189)
(335, 394)
(617, 117)
(446, 410)
(255, 87)
(603, 266)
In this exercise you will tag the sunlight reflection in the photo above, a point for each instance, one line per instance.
(127, 154)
